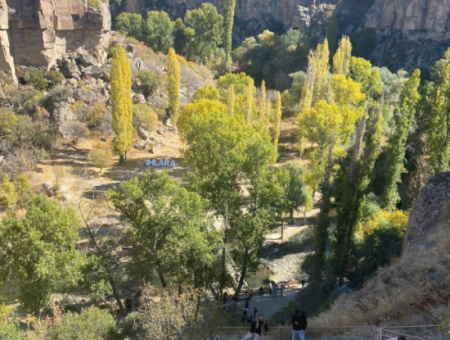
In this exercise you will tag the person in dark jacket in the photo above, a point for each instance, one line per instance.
(299, 324)
(256, 329)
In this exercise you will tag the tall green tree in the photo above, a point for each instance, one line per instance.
(130, 24)
(332, 33)
(438, 135)
(403, 118)
(122, 104)
(39, 253)
(228, 23)
(159, 31)
(203, 33)
(171, 227)
(174, 79)
(366, 149)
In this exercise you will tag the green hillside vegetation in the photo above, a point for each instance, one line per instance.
(148, 254)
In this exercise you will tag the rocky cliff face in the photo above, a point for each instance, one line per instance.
(417, 18)
(38, 32)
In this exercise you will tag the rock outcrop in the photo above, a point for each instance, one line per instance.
(38, 32)
(428, 19)
(430, 215)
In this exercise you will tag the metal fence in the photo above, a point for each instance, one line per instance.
(428, 332)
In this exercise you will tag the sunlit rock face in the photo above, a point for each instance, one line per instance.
(38, 32)
(417, 18)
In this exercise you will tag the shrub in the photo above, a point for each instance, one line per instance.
(57, 95)
(35, 77)
(76, 131)
(94, 4)
(81, 110)
(96, 114)
(150, 82)
(101, 158)
(8, 122)
(144, 116)
(55, 78)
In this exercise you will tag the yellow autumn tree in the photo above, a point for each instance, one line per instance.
(277, 122)
(342, 57)
(262, 101)
(250, 102)
(173, 74)
(122, 104)
(200, 108)
(231, 100)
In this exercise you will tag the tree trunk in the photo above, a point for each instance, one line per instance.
(161, 277)
(282, 228)
(223, 276)
(243, 273)
(122, 159)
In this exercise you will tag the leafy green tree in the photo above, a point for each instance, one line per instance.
(438, 134)
(130, 24)
(332, 33)
(38, 251)
(203, 31)
(173, 74)
(159, 31)
(122, 104)
(228, 18)
(403, 118)
(368, 141)
(36, 77)
(149, 82)
(165, 218)
(296, 193)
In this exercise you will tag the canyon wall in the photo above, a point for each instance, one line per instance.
(38, 32)
(429, 19)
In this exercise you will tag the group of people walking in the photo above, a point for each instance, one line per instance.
(299, 324)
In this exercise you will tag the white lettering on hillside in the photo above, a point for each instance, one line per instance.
(167, 163)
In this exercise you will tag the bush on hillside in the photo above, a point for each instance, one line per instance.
(149, 82)
(144, 116)
(36, 78)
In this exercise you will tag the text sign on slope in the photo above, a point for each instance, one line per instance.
(161, 163)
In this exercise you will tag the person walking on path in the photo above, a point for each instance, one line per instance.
(275, 288)
(299, 324)
(261, 290)
(256, 329)
(255, 311)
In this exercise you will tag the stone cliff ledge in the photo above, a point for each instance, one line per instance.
(38, 32)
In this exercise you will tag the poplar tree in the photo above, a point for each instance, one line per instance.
(262, 101)
(367, 147)
(228, 22)
(249, 103)
(438, 135)
(277, 122)
(332, 33)
(173, 74)
(343, 57)
(122, 104)
(231, 100)
(403, 118)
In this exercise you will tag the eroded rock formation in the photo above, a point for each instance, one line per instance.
(417, 18)
(38, 32)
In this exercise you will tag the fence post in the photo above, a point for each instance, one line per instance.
(381, 334)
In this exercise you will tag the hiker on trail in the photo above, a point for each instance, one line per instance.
(303, 283)
(261, 290)
(225, 298)
(251, 293)
(275, 288)
(256, 329)
(299, 324)
(247, 305)
(254, 312)
(270, 288)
